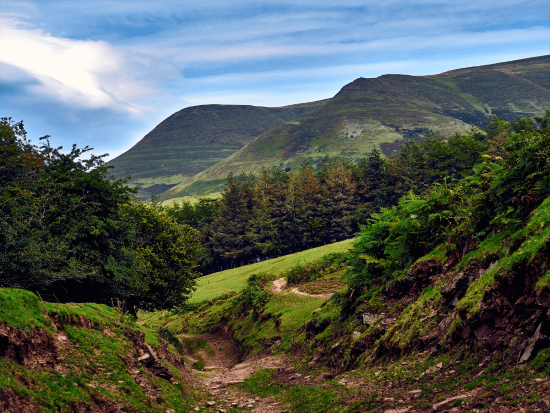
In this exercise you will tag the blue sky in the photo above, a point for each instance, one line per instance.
(104, 73)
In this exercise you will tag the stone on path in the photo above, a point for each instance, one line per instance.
(435, 407)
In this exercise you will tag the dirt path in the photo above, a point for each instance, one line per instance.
(222, 373)
(279, 286)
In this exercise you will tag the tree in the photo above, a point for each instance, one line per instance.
(65, 230)
(169, 253)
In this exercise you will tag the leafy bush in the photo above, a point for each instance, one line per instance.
(510, 181)
(72, 234)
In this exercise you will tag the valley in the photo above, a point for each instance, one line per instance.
(416, 279)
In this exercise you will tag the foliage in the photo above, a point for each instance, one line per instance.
(496, 196)
(169, 251)
(278, 213)
(70, 232)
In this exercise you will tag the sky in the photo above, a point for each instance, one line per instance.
(105, 73)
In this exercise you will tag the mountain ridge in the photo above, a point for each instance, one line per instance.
(197, 137)
(379, 113)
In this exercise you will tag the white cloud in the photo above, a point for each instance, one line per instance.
(86, 73)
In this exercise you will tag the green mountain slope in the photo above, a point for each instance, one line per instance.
(195, 138)
(378, 113)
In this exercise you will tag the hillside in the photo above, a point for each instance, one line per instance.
(451, 335)
(441, 305)
(85, 357)
(195, 138)
(381, 113)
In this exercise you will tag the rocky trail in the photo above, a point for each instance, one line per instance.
(223, 372)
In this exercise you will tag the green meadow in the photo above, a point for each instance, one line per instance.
(234, 280)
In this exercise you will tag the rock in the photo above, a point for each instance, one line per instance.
(401, 410)
(143, 359)
(211, 403)
(151, 352)
(435, 407)
(455, 286)
(415, 393)
(196, 408)
(356, 334)
(222, 411)
(537, 341)
(481, 332)
(404, 363)
(160, 370)
(370, 319)
(170, 411)
(439, 365)
(234, 404)
(377, 373)
(454, 303)
(316, 310)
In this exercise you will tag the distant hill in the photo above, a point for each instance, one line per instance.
(381, 112)
(195, 138)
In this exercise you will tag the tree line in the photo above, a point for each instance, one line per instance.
(275, 213)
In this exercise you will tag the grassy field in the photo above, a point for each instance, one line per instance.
(220, 283)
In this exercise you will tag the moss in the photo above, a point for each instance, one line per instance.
(411, 323)
(29, 314)
(543, 285)
(438, 254)
(536, 238)
(92, 361)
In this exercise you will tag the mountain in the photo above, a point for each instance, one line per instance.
(380, 113)
(195, 138)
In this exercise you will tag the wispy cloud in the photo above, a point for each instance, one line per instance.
(115, 68)
(86, 73)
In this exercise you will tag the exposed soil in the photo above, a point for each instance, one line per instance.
(222, 372)
(279, 287)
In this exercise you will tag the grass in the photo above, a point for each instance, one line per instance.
(410, 323)
(93, 369)
(234, 280)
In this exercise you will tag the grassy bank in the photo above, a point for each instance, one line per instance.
(234, 280)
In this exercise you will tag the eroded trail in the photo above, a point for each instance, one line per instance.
(223, 373)
(279, 287)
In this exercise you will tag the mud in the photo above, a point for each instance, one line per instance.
(10, 402)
